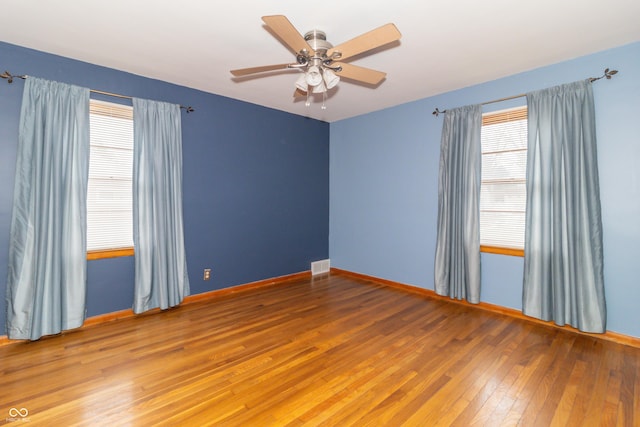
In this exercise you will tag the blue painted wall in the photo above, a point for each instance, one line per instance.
(384, 185)
(255, 185)
(256, 195)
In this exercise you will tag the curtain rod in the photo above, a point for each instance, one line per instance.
(9, 77)
(607, 74)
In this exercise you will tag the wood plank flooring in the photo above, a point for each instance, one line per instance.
(329, 351)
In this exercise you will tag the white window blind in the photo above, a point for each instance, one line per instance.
(503, 189)
(109, 198)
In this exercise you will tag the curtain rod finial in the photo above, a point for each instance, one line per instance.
(608, 73)
(437, 112)
(7, 75)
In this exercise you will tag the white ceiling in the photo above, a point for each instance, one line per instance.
(445, 44)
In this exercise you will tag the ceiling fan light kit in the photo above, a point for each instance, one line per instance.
(313, 76)
(316, 57)
(330, 78)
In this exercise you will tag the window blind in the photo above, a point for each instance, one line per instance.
(503, 187)
(109, 197)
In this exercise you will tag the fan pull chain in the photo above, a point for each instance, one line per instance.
(324, 98)
(308, 103)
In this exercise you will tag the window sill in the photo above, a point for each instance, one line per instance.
(502, 251)
(109, 253)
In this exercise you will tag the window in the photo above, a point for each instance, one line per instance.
(109, 197)
(503, 188)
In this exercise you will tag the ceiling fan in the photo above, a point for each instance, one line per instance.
(317, 58)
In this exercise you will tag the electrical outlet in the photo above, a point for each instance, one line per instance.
(207, 274)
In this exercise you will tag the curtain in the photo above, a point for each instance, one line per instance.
(457, 261)
(161, 278)
(46, 282)
(563, 265)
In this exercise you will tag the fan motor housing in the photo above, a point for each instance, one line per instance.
(318, 41)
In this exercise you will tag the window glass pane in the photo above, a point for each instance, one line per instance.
(508, 165)
(110, 163)
(502, 229)
(107, 230)
(111, 131)
(503, 197)
(503, 189)
(505, 136)
(109, 197)
(105, 194)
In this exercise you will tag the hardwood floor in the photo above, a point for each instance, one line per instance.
(333, 351)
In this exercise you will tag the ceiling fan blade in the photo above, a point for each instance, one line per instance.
(361, 74)
(287, 33)
(375, 38)
(253, 70)
(299, 94)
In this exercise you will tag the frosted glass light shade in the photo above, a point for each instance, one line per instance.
(319, 88)
(301, 83)
(330, 78)
(313, 76)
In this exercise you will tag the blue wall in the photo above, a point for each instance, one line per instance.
(257, 194)
(255, 186)
(384, 185)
